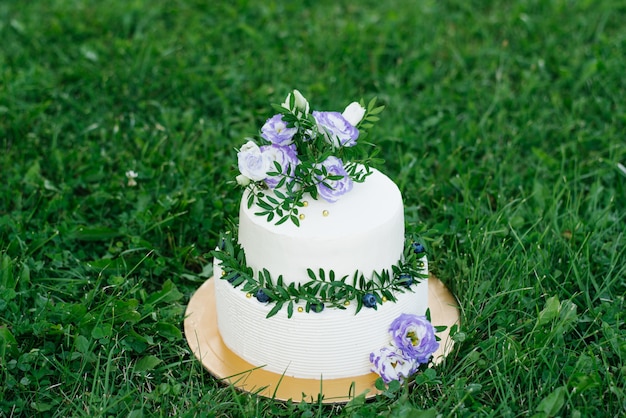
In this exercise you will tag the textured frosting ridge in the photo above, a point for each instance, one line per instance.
(331, 344)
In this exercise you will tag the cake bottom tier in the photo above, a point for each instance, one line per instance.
(331, 344)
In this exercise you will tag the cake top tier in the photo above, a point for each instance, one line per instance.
(361, 233)
(369, 205)
(302, 154)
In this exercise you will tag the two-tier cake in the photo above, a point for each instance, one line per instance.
(319, 279)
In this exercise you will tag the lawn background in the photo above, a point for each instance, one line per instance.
(504, 128)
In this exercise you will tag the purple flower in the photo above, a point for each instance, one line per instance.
(285, 156)
(336, 129)
(390, 364)
(331, 190)
(414, 336)
(276, 131)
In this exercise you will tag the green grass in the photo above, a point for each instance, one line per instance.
(504, 127)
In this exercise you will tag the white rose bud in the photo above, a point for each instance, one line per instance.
(354, 113)
(242, 180)
(301, 105)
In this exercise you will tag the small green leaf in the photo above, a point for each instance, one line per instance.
(275, 309)
(169, 331)
(458, 337)
(428, 376)
(41, 406)
(102, 331)
(6, 273)
(380, 384)
(82, 344)
(95, 233)
(550, 311)
(553, 403)
(168, 293)
(8, 343)
(147, 363)
(264, 205)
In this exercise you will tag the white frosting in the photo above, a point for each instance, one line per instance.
(364, 231)
(332, 344)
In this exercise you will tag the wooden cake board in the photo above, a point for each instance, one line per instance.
(207, 345)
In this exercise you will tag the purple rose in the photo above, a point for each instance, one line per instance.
(331, 190)
(414, 336)
(336, 129)
(285, 156)
(276, 131)
(390, 364)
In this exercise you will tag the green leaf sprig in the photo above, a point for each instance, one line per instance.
(324, 289)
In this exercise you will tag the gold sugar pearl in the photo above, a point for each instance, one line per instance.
(223, 273)
(324, 213)
(346, 303)
(420, 264)
(248, 295)
(305, 203)
(301, 216)
(384, 299)
(300, 309)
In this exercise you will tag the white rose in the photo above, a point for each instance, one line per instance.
(354, 113)
(301, 105)
(252, 162)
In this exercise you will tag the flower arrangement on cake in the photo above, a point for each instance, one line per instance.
(306, 153)
(311, 153)
(300, 155)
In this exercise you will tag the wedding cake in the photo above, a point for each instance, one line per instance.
(319, 279)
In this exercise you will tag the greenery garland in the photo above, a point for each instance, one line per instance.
(324, 289)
